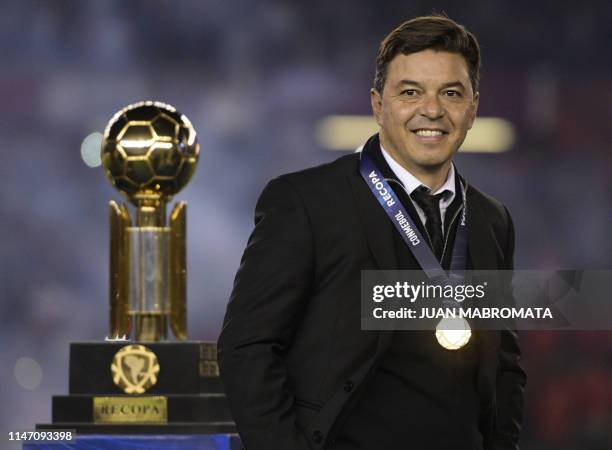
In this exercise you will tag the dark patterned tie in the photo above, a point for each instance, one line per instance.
(430, 204)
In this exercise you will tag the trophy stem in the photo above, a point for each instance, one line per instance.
(149, 282)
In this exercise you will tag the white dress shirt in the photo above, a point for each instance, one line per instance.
(411, 183)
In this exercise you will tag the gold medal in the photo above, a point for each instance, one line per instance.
(452, 334)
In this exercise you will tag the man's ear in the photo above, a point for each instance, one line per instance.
(376, 100)
(474, 109)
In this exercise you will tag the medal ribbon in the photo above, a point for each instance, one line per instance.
(410, 233)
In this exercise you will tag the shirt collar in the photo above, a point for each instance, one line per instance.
(411, 182)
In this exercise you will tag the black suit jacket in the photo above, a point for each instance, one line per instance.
(292, 354)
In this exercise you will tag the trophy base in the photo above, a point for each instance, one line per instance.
(143, 388)
(188, 367)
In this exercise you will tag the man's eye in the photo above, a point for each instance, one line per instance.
(452, 93)
(409, 92)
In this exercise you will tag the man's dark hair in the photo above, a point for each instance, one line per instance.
(428, 32)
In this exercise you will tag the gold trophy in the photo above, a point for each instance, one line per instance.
(149, 152)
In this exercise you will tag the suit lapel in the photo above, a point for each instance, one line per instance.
(481, 243)
(376, 225)
(379, 235)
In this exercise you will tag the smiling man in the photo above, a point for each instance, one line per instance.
(425, 105)
(299, 371)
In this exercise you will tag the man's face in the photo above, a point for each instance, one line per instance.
(426, 108)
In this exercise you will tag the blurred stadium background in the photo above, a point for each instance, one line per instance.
(256, 79)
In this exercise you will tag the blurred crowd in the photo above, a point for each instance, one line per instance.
(254, 78)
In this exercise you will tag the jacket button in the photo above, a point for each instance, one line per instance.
(348, 386)
(317, 437)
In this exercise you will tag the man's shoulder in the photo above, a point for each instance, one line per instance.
(324, 175)
(491, 207)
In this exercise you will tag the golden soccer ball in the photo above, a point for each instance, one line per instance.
(149, 150)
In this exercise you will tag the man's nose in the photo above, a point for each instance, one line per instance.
(431, 107)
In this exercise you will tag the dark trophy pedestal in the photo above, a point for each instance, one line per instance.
(186, 399)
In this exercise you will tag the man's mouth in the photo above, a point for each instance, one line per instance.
(428, 132)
